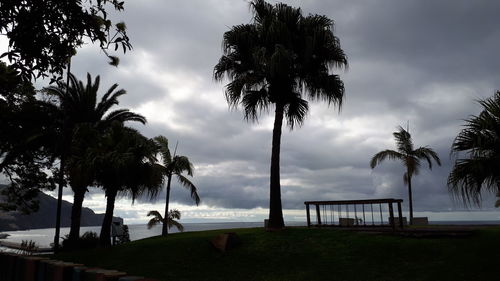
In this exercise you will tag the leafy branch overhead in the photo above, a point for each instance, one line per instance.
(44, 34)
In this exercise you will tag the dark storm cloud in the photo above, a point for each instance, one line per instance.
(419, 61)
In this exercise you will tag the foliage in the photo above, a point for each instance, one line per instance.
(89, 240)
(25, 145)
(409, 157)
(477, 148)
(79, 103)
(125, 238)
(44, 34)
(173, 215)
(280, 59)
(81, 120)
(303, 254)
(126, 165)
(126, 162)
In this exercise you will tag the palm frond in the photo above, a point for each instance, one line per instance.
(328, 88)
(428, 154)
(153, 222)
(382, 155)
(254, 102)
(155, 214)
(479, 141)
(123, 115)
(177, 224)
(466, 180)
(107, 102)
(189, 186)
(296, 111)
(174, 214)
(403, 141)
(181, 164)
(157, 218)
(162, 142)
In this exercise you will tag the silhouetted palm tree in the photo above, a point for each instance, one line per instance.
(280, 59)
(79, 110)
(127, 165)
(409, 157)
(173, 215)
(478, 145)
(174, 166)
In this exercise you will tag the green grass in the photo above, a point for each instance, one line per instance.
(304, 254)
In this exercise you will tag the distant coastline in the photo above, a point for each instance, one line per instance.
(45, 216)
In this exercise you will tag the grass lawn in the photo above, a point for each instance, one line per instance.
(304, 254)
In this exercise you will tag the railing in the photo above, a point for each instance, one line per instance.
(352, 213)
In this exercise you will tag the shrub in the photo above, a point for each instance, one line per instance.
(87, 241)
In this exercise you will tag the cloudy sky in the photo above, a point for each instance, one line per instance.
(422, 62)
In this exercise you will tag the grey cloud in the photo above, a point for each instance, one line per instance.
(419, 61)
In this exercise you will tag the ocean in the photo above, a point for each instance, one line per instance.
(43, 237)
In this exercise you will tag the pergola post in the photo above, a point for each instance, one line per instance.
(391, 217)
(318, 215)
(308, 216)
(400, 213)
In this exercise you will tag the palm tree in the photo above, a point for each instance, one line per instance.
(79, 109)
(127, 165)
(409, 157)
(280, 59)
(174, 166)
(479, 145)
(170, 221)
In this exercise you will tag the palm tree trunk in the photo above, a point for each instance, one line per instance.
(275, 208)
(164, 231)
(59, 202)
(410, 199)
(61, 170)
(105, 236)
(76, 213)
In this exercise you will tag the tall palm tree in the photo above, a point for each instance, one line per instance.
(175, 165)
(170, 220)
(497, 203)
(478, 146)
(79, 110)
(127, 165)
(410, 158)
(280, 59)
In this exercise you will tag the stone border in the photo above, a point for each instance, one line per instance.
(15, 267)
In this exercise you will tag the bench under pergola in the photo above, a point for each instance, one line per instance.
(355, 213)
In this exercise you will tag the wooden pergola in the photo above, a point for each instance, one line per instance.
(326, 211)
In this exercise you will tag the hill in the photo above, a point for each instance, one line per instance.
(45, 217)
(303, 254)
